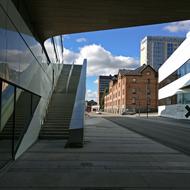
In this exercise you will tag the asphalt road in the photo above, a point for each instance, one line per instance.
(170, 132)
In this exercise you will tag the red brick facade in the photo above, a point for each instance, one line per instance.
(134, 90)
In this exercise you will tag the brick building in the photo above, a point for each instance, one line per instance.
(133, 90)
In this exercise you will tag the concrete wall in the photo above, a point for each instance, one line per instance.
(176, 111)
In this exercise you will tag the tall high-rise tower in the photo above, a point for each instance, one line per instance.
(156, 49)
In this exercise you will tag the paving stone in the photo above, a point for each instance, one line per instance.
(113, 158)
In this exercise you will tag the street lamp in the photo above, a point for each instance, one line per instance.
(139, 102)
(147, 96)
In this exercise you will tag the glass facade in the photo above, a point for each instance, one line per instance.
(170, 49)
(157, 54)
(180, 98)
(17, 108)
(22, 59)
(27, 76)
(183, 98)
(156, 49)
(182, 71)
(54, 48)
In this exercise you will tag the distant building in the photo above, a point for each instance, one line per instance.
(156, 49)
(174, 84)
(103, 84)
(133, 90)
(95, 108)
(90, 104)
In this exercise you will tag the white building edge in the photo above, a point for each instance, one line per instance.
(174, 83)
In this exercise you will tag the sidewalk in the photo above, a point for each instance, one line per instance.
(113, 158)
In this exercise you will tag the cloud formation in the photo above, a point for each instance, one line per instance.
(100, 60)
(80, 40)
(91, 95)
(182, 26)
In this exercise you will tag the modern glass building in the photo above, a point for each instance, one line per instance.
(32, 72)
(29, 71)
(174, 83)
(155, 50)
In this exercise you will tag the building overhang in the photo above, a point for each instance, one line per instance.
(53, 17)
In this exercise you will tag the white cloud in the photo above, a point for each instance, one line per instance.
(70, 56)
(96, 81)
(181, 26)
(100, 61)
(91, 95)
(79, 40)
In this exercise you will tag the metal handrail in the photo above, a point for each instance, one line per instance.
(69, 77)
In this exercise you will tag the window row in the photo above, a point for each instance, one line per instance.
(183, 98)
(183, 70)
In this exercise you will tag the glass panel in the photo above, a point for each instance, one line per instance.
(35, 101)
(182, 71)
(22, 114)
(58, 45)
(50, 50)
(17, 63)
(186, 98)
(6, 125)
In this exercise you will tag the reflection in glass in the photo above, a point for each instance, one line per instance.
(182, 98)
(22, 114)
(17, 108)
(35, 100)
(6, 125)
(182, 71)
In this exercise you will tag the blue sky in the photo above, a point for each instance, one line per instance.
(109, 50)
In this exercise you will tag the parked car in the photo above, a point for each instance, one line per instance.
(128, 112)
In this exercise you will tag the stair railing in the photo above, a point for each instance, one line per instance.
(69, 77)
(77, 120)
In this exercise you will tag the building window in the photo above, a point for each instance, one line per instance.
(133, 90)
(148, 73)
(133, 100)
(148, 91)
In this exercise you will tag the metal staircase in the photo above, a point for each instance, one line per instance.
(57, 121)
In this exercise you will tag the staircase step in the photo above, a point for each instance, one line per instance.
(57, 120)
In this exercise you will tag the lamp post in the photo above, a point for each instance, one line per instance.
(147, 98)
(139, 101)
